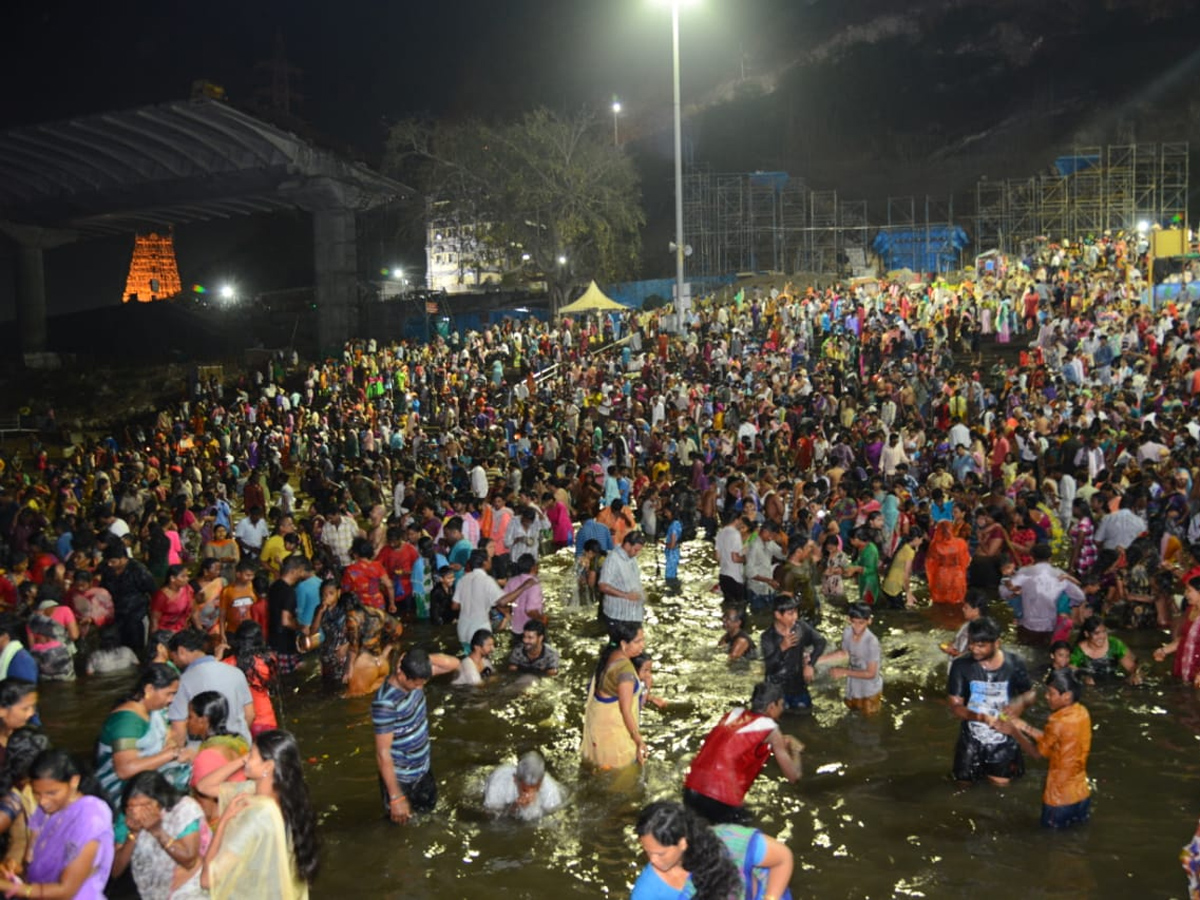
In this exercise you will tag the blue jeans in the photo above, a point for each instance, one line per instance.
(1066, 816)
(798, 701)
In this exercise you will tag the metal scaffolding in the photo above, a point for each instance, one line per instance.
(770, 221)
(1116, 188)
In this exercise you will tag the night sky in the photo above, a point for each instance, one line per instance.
(855, 88)
(367, 63)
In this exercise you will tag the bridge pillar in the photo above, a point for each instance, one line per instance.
(335, 255)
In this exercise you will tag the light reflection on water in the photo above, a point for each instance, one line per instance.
(875, 815)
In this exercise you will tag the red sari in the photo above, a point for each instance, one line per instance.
(1187, 656)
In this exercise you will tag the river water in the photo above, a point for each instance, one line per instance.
(875, 815)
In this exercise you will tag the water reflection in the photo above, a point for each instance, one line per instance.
(875, 815)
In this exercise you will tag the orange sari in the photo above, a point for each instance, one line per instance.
(946, 563)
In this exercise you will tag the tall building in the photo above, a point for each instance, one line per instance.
(153, 272)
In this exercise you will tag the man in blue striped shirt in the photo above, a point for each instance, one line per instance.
(402, 734)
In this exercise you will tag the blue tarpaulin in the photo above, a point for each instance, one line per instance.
(1177, 292)
(933, 249)
(1069, 165)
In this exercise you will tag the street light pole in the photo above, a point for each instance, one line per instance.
(616, 108)
(681, 309)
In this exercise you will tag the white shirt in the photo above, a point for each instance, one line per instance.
(501, 792)
(476, 593)
(960, 434)
(729, 542)
(252, 534)
(479, 481)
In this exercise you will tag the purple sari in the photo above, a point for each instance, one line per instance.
(58, 839)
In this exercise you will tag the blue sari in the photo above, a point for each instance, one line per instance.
(747, 847)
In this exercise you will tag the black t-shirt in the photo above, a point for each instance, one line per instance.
(987, 691)
(281, 597)
(786, 667)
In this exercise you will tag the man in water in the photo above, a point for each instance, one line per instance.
(733, 754)
(789, 648)
(532, 653)
(524, 790)
(401, 724)
(987, 686)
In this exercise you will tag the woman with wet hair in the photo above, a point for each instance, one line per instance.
(611, 739)
(688, 858)
(266, 841)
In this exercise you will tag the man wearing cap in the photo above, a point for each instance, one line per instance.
(623, 599)
(789, 648)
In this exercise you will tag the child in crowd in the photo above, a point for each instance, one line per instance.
(587, 574)
(974, 607)
(644, 666)
(860, 648)
(833, 587)
(441, 598)
(672, 537)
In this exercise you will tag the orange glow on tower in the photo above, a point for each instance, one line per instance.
(153, 272)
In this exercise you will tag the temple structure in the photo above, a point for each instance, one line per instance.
(153, 272)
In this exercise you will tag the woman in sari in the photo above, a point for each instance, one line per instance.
(162, 837)
(17, 803)
(946, 564)
(984, 570)
(172, 607)
(370, 633)
(1186, 646)
(611, 739)
(207, 722)
(72, 851)
(134, 737)
(689, 858)
(266, 841)
(249, 652)
(224, 548)
(1021, 537)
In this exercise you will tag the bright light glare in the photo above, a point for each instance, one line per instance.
(616, 106)
(562, 260)
(397, 272)
(1143, 226)
(525, 257)
(227, 291)
(678, 4)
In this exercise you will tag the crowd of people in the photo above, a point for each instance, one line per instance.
(842, 449)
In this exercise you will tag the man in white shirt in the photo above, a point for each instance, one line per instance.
(476, 594)
(959, 435)
(731, 559)
(479, 481)
(523, 790)
(251, 532)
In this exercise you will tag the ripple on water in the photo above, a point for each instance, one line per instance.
(875, 815)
